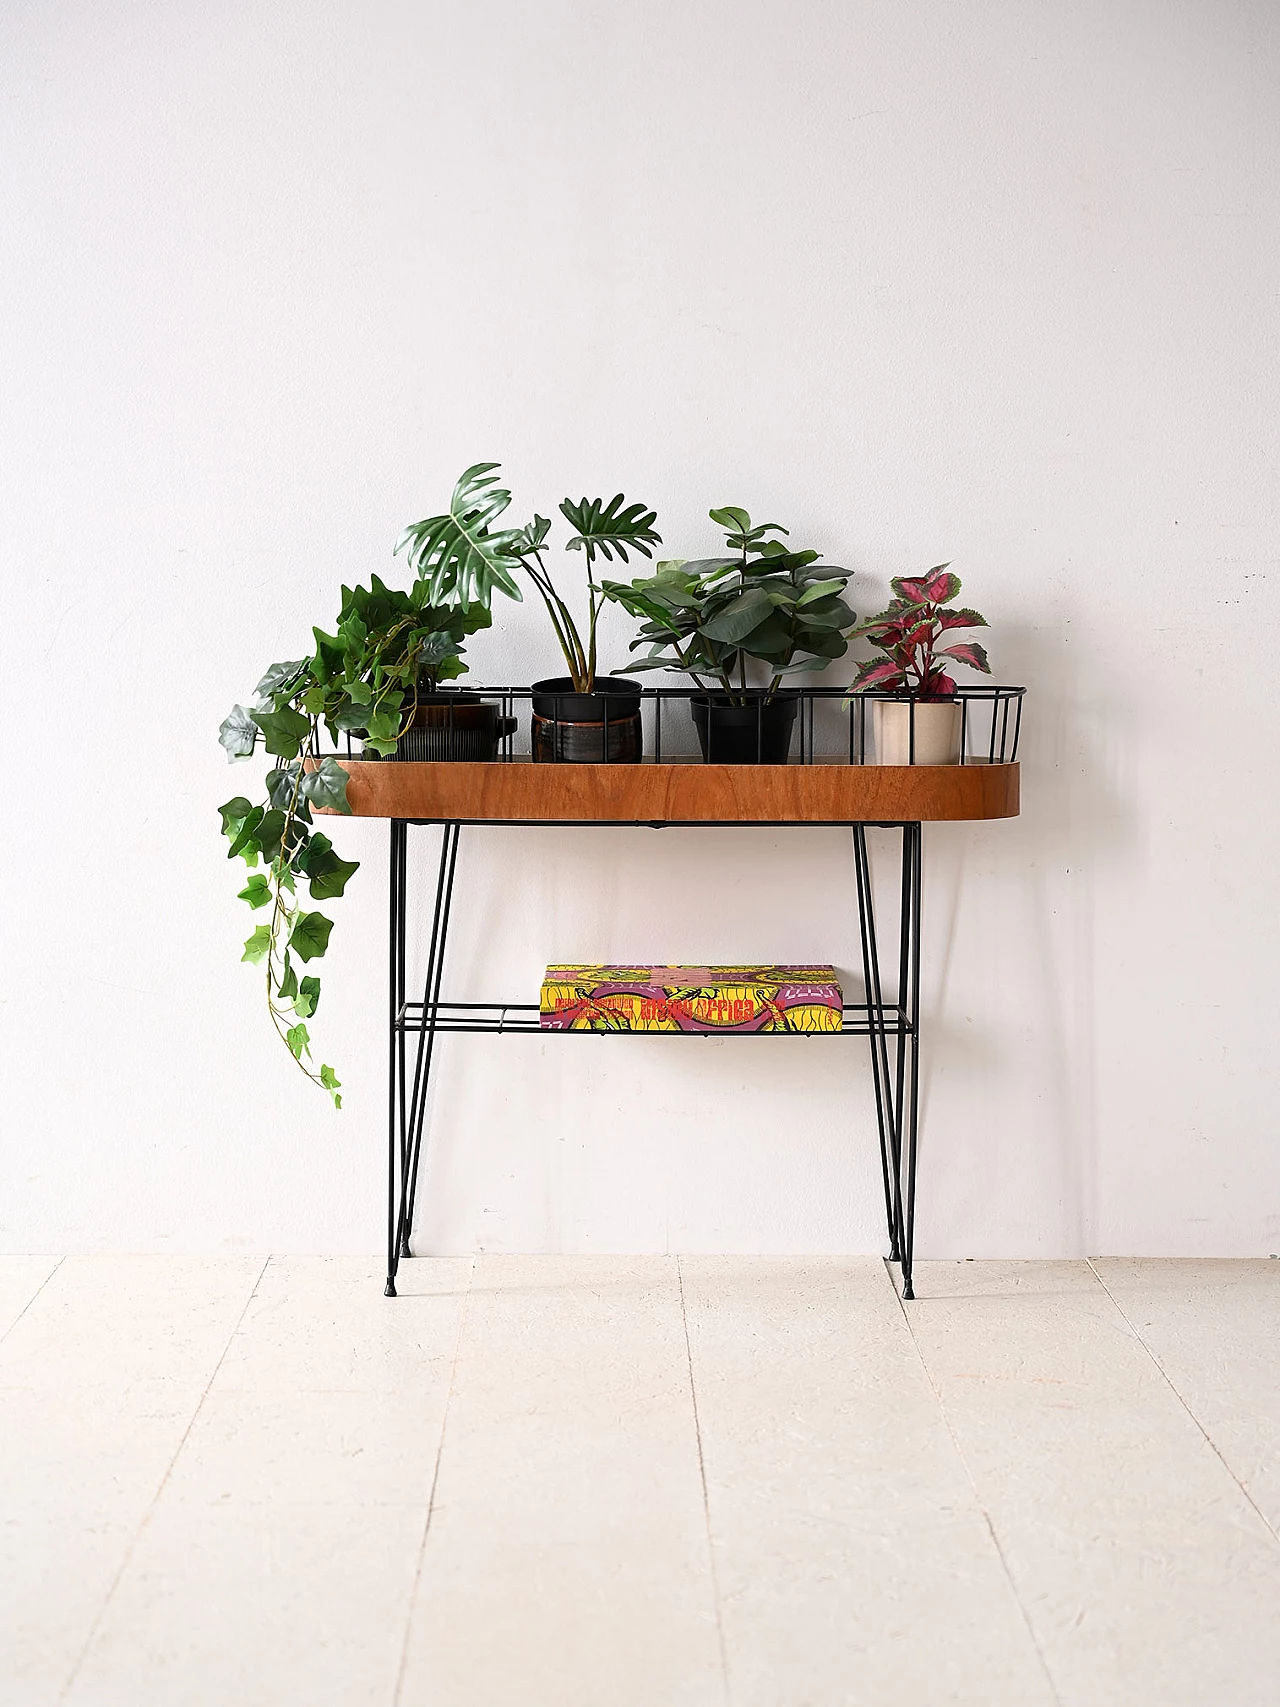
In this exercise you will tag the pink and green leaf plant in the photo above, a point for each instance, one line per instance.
(908, 633)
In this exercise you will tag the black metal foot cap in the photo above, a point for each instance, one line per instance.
(404, 1247)
(389, 1290)
(908, 1292)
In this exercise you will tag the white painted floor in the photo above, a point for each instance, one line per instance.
(696, 1482)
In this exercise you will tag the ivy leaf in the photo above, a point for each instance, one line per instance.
(237, 733)
(326, 786)
(245, 839)
(299, 1040)
(234, 814)
(330, 1080)
(280, 785)
(288, 987)
(257, 891)
(280, 678)
(307, 999)
(310, 935)
(330, 883)
(267, 834)
(258, 946)
(328, 873)
(283, 731)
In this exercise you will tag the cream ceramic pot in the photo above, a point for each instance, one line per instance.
(937, 732)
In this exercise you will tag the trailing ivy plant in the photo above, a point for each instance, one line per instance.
(364, 679)
(463, 557)
(711, 616)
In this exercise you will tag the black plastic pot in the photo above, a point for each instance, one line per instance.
(757, 733)
(600, 727)
(453, 726)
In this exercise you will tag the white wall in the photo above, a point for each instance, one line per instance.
(986, 281)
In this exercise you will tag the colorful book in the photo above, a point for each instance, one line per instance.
(691, 998)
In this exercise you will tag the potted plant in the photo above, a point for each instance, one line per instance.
(372, 678)
(714, 617)
(464, 556)
(924, 726)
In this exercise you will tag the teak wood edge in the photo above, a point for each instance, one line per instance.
(681, 793)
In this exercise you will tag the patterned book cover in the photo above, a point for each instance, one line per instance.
(691, 998)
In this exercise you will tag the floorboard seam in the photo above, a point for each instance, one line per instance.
(402, 1668)
(155, 1498)
(978, 1500)
(30, 1301)
(702, 1476)
(1164, 1376)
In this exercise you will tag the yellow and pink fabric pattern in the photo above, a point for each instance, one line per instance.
(691, 998)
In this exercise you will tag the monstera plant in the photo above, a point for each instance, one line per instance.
(464, 557)
(362, 680)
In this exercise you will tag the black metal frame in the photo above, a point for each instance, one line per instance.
(895, 1074)
(990, 725)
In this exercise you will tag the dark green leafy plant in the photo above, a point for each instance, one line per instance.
(363, 680)
(462, 558)
(711, 616)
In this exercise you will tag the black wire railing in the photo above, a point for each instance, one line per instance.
(632, 723)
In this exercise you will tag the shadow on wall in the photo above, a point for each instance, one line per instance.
(1010, 912)
(1010, 1003)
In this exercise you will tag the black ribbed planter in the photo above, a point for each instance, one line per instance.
(600, 727)
(757, 733)
(453, 727)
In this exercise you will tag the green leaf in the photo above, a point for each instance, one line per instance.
(257, 891)
(736, 621)
(234, 814)
(730, 516)
(245, 840)
(818, 590)
(258, 946)
(310, 935)
(328, 873)
(280, 784)
(458, 555)
(268, 833)
(238, 733)
(289, 982)
(299, 1040)
(284, 731)
(330, 1080)
(326, 785)
(313, 700)
(610, 528)
(280, 678)
(307, 999)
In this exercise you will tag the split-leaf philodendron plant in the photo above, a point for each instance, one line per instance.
(365, 679)
(462, 559)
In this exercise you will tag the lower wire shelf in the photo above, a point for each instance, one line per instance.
(523, 1018)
